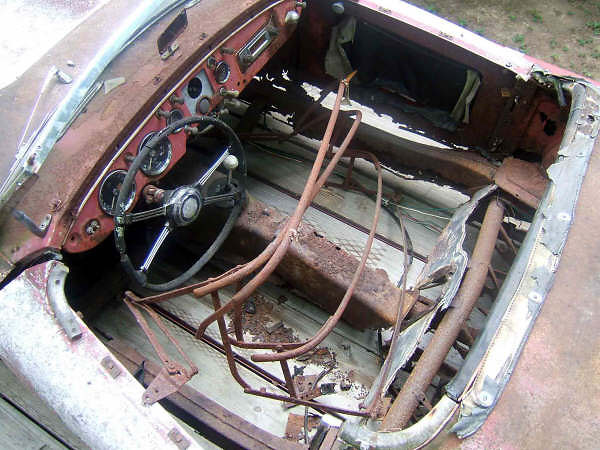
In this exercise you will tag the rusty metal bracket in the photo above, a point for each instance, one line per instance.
(173, 375)
(167, 382)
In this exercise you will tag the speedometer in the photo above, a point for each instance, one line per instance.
(158, 158)
(109, 192)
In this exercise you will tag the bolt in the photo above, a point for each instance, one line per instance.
(228, 93)
(535, 297)
(92, 227)
(250, 307)
(176, 99)
(163, 113)
(485, 399)
(55, 205)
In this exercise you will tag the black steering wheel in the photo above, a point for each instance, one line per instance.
(182, 206)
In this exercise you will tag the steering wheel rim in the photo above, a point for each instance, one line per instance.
(122, 218)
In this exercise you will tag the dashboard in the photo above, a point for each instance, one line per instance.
(225, 71)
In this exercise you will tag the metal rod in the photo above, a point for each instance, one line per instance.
(312, 404)
(448, 329)
(313, 185)
(334, 319)
(339, 217)
(260, 372)
(226, 344)
(289, 381)
(508, 240)
(237, 317)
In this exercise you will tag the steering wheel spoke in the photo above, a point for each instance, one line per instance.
(164, 232)
(145, 215)
(215, 165)
(183, 204)
(212, 199)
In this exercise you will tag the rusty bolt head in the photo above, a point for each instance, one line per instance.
(92, 227)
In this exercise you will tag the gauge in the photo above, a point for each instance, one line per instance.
(158, 158)
(194, 87)
(174, 116)
(203, 105)
(222, 72)
(109, 192)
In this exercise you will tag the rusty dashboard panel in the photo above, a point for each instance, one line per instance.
(221, 74)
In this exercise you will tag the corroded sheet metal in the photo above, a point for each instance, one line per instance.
(320, 269)
(447, 259)
(491, 361)
(525, 180)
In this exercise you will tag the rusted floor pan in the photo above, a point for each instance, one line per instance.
(279, 315)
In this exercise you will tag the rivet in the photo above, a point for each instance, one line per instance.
(535, 297)
(485, 399)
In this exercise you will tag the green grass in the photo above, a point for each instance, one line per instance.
(594, 26)
(553, 43)
(518, 38)
(583, 42)
(432, 8)
(512, 17)
(536, 16)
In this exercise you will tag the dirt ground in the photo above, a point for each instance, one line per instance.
(563, 32)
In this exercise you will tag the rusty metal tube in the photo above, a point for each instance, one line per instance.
(330, 324)
(313, 184)
(273, 247)
(281, 244)
(446, 333)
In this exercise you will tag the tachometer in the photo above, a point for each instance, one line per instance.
(109, 192)
(158, 158)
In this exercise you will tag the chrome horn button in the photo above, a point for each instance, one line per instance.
(186, 203)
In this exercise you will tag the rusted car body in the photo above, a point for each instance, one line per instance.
(335, 224)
